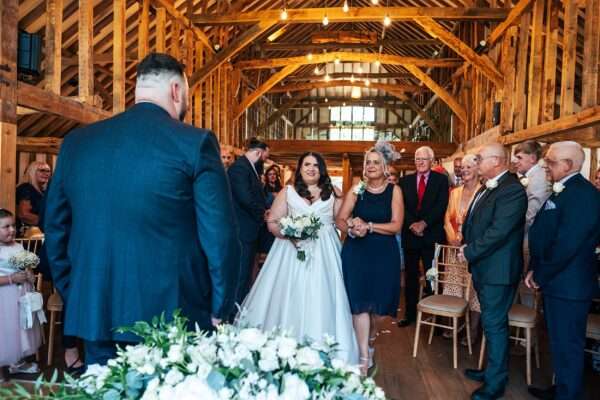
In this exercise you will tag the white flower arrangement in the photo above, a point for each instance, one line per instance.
(24, 260)
(232, 363)
(491, 184)
(524, 181)
(300, 228)
(558, 187)
(359, 188)
(432, 275)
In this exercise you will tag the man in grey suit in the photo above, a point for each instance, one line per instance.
(493, 232)
(139, 218)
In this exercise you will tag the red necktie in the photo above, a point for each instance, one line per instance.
(420, 191)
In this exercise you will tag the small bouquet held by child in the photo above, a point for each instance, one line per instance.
(300, 228)
(24, 260)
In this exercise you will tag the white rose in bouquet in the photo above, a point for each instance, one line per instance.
(252, 338)
(294, 388)
(308, 359)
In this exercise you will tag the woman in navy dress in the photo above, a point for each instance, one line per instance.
(371, 215)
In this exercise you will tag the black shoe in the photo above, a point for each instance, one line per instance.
(487, 393)
(477, 375)
(544, 394)
(404, 322)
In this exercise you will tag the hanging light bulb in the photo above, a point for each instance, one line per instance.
(309, 56)
(325, 20)
(284, 14)
(387, 21)
(326, 100)
(337, 60)
(317, 70)
(352, 78)
(345, 7)
(355, 94)
(370, 104)
(327, 78)
(344, 104)
(367, 82)
(377, 63)
(375, 2)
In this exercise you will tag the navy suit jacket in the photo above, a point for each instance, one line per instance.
(139, 220)
(248, 198)
(562, 241)
(433, 209)
(493, 230)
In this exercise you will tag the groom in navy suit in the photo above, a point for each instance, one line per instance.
(250, 206)
(139, 218)
(562, 241)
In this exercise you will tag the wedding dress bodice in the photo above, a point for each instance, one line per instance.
(299, 206)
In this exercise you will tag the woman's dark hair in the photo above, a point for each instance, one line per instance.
(324, 179)
(277, 187)
(4, 213)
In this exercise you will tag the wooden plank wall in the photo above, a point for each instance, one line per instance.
(549, 61)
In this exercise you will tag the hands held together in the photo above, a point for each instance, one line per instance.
(418, 228)
(357, 227)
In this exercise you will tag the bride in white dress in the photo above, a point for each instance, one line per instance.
(306, 298)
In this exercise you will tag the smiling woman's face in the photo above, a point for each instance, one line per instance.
(310, 170)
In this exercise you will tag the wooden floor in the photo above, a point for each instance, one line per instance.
(430, 376)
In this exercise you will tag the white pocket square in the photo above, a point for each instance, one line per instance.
(549, 205)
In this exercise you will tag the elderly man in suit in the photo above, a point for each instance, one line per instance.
(493, 234)
(139, 218)
(250, 206)
(425, 202)
(562, 241)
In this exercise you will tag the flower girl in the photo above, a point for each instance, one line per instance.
(15, 343)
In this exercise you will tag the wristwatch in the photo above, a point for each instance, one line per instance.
(370, 227)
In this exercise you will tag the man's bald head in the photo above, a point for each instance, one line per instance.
(563, 158)
(493, 160)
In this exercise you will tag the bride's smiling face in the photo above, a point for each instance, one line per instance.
(310, 170)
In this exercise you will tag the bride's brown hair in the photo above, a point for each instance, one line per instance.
(324, 180)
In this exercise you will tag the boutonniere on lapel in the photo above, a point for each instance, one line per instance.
(491, 184)
(557, 187)
(524, 181)
(360, 188)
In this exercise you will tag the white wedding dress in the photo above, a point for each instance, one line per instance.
(307, 298)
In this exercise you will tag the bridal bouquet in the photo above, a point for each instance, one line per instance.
(232, 363)
(300, 227)
(23, 260)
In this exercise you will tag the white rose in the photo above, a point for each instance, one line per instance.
(166, 393)
(524, 181)
(225, 393)
(136, 355)
(175, 354)
(146, 369)
(252, 338)
(294, 388)
(287, 347)
(491, 184)
(557, 187)
(309, 359)
(194, 388)
(173, 377)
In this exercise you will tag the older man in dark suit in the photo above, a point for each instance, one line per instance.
(250, 206)
(493, 233)
(139, 218)
(425, 202)
(562, 243)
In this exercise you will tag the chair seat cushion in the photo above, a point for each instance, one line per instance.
(593, 326)
(521, 313)
(443, 303)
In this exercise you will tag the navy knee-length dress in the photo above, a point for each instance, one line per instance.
(371, 264)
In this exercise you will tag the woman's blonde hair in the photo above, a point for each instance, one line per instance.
(29, 175)
(387, 153)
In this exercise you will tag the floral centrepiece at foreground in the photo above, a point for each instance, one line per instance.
(232, 363)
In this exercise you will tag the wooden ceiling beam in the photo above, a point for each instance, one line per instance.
(346, 75)
(390, 59)
(336, 83)
(262, 89)
(234, 48)
(356, 14)
(334, 46)
(514, 16)
(454, 105)
(485, 65)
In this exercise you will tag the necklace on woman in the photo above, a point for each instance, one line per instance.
(377, 189)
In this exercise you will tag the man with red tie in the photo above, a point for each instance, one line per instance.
(425, 202)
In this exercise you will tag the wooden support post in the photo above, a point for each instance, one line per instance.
(549, 84)
(188, 46)
(591, 54)
(593, 162)
(346, 173)
(161, 30)
(143, 29)
(175, 35)
(509, 51)
(8, 102)
(519, 95)
(535, 64)
(217, 109)
(54, 20)
(567, 82)
(198, 91)
(119, 70)
(86, 46)
(208, 104)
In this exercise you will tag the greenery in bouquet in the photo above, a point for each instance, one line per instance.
(231, 363)
(300, 228)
